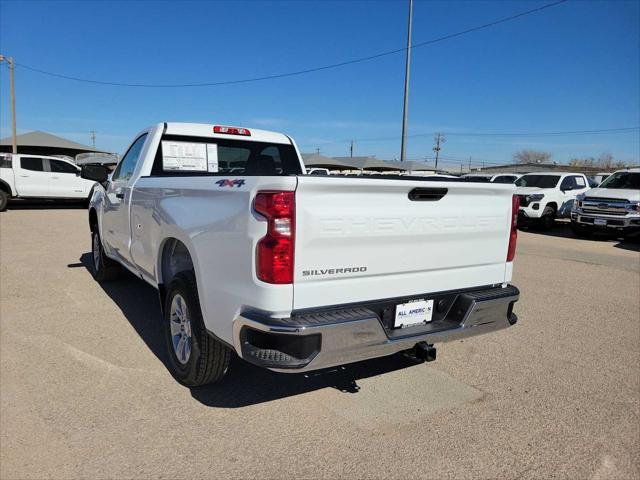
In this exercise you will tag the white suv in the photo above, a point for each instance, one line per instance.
(546, 196)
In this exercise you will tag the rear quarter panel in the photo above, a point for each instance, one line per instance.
(7, 177)
(220, 230)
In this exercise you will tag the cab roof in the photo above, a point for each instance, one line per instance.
(206, 130)
(554, 173)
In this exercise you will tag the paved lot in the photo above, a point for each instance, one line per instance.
(85, 394)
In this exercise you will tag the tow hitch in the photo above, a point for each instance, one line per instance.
(422, 351)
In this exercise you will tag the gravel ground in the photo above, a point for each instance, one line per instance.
(85, 393)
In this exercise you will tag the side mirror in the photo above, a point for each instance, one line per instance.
(567, 188)
(97, 173)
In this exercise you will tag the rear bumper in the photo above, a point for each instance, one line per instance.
(322, 338)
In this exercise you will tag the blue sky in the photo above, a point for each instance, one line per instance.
(572, 67)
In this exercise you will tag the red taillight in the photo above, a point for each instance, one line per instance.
(274, 252)
(513, 234)
(231, 130)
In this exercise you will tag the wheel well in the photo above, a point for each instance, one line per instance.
(553, 205)
(5, 187)
(175, 258)
(93, 220)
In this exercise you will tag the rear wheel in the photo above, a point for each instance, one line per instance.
(548, 219)
(195, 356)
(4, 199)
(104, 269)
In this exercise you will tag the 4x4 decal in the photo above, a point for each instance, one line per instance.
(230, 183)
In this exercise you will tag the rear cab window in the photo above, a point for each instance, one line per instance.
(58, 166)
(504, 179)
(187, 156)
(539, 181)
(35, 164)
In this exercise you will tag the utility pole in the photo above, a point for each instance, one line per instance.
(439, 138)
(405, 111)
(351, 149)
(93, 138)
(469, 163)
(9, 60)
(318, 151)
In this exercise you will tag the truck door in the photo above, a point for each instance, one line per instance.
(32, 179)
(65, 180)
(116, 228)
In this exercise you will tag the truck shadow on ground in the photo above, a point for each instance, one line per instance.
(245, 384)
(561, 229)
(45, 205)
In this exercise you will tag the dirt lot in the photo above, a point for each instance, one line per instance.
(85, 393)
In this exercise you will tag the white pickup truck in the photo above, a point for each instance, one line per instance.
(36, 176)
(614, 206)
(546, 196)
(297, 272)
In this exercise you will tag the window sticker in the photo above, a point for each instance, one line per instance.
(184, 156)
(212, 157)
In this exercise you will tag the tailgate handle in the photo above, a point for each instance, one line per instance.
(422, 194)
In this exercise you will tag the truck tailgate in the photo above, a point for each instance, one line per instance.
(360, 239)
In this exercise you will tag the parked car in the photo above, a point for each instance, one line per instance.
(547, 196)
(612, 207)
(25, 176)
(600, 177)
(297, 272)
(491, 177)
(593, 183)
(505, 178)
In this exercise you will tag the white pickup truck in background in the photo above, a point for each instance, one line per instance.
(614, 206)
(26, 176)
(297, 272)
(545, 196)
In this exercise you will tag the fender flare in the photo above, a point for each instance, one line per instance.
(7, 188)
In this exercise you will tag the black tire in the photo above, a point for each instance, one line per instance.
(208, 359)
(548, 219)
(580, 231)
(104, 269)
(4, 199)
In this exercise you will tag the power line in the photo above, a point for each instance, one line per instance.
(298, 72)
(602, 131)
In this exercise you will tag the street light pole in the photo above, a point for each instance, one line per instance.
(405, 111)
(9, 60)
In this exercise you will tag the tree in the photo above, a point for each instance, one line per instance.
(604, 162)
(583, 162)
(531, 156)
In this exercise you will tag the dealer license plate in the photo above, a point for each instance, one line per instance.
(600, 222)
(413, 313)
